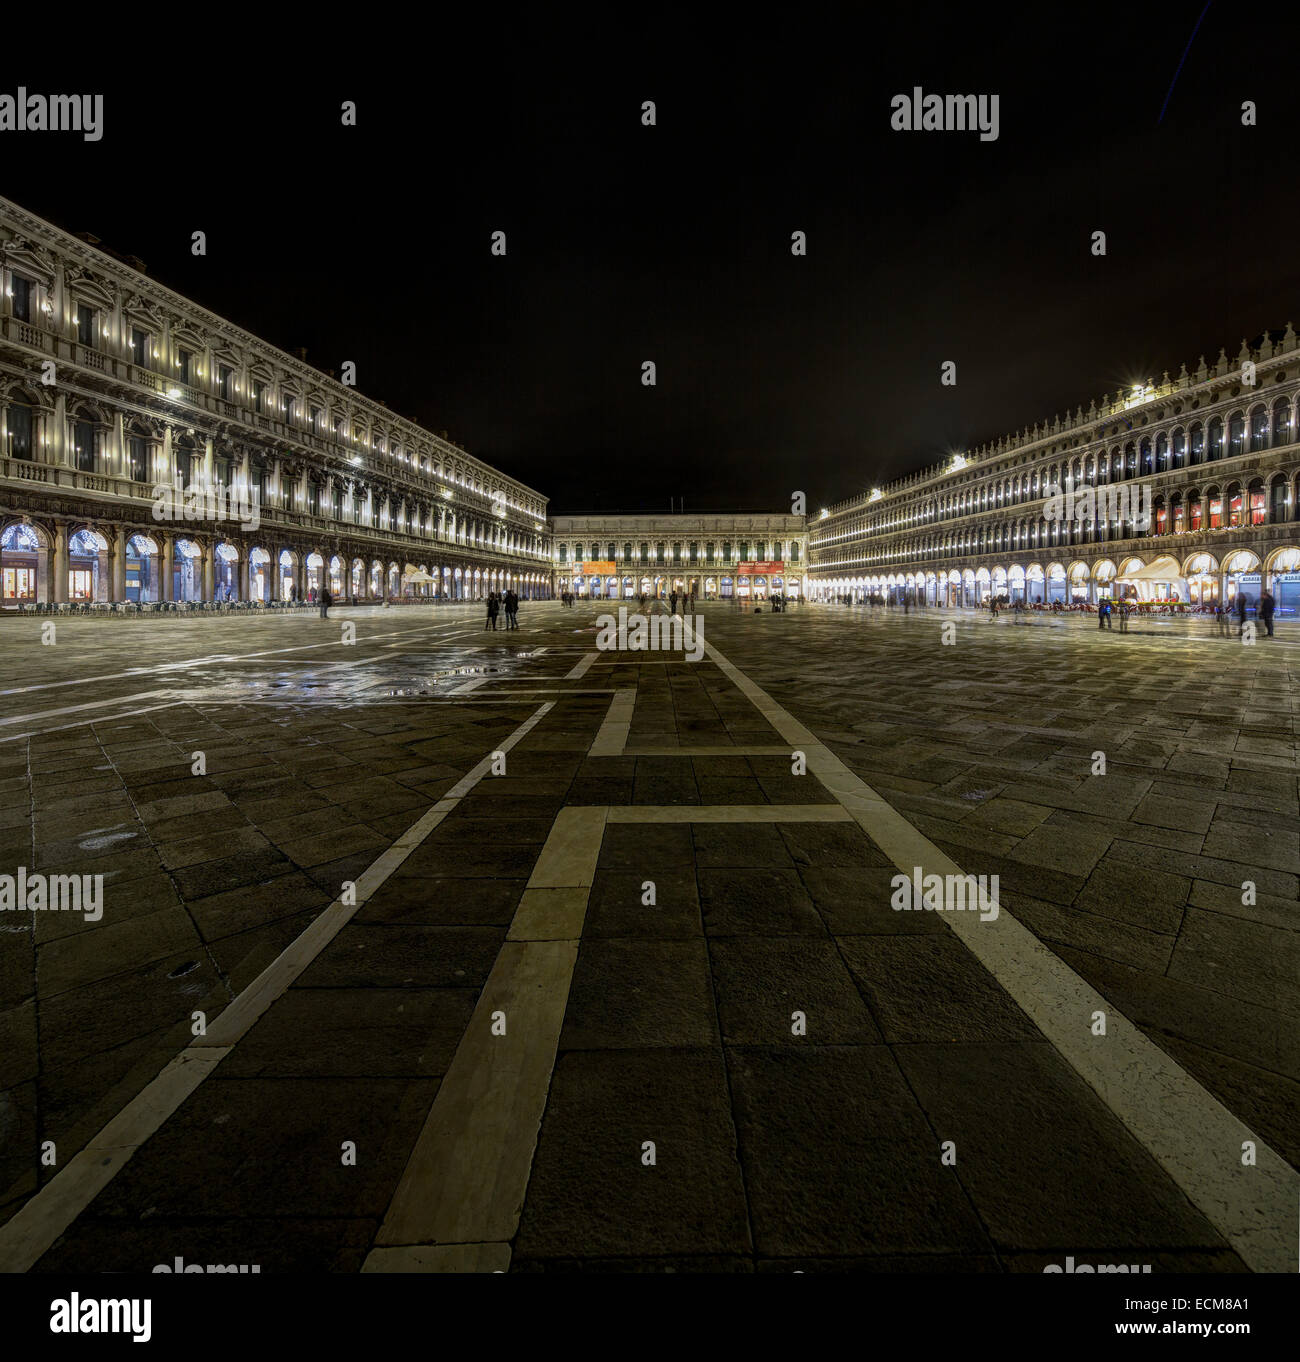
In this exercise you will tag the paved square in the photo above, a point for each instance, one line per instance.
(444, 952)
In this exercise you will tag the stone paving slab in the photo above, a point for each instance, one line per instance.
(794, 1049)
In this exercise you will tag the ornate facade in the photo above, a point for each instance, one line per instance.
(713, 557)
(1052, 513)
(112, 386)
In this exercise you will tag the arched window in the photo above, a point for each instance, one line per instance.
(1234, 500)
(1236, 434)
(1258, 428)
(1215, 433)
(1281, 422)
(1179, 442)
(1213, 508)
(1277, 501)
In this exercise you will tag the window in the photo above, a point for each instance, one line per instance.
(1279, 502)
(259, 388)
(22, 290)
(1236, 434)
(138, 458)
(1258, 504)
(1194, 512)
(226, 383)
(139, 347)
(288, 407)
(20, 431)
(313, 497)
(1281, 422)
(186, 359)
(183, 467)
(86, 324)
(1216, 512)
(83, 440)
(315, 422)
(337, 500)
(1216, 439)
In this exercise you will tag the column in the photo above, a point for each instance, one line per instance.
(59, 444)
(59, 562)
(244, 584)
(164, 474)
(209, 569)
(121, 465)
(117, 548)
(166, 551)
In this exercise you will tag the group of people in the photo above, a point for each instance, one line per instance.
(495, 602)
(1240, 607)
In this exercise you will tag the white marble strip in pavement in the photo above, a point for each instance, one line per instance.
(31, 1232)
(89, 722)
(612, 736)
(1187, 1130)
(76, 709)
(458, 1203)
(579, 668)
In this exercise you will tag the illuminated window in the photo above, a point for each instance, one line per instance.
(22, 302)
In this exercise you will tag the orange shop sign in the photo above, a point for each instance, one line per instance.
(598, 569)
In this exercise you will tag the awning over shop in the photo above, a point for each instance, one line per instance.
(1164, 569)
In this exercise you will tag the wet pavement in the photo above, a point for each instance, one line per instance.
(513, 953)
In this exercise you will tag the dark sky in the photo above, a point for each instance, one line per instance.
(672, 243)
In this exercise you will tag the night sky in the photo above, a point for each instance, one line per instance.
(672, 243)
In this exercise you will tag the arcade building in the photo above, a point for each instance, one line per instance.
(112, 386)
(710, 557)
(1213, 451)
